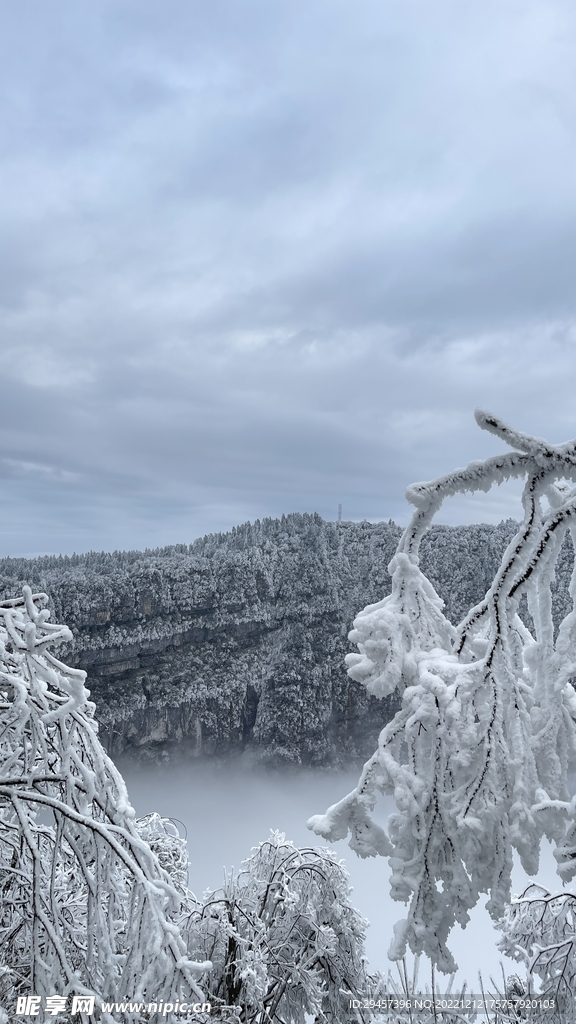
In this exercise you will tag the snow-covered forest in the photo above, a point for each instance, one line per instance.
(238, 641)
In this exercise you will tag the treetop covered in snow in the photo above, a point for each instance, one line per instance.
(479, 753)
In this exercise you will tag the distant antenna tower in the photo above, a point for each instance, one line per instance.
(340, 513)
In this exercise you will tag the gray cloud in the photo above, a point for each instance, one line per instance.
(257, 258)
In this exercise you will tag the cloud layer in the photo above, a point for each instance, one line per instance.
(258, 258)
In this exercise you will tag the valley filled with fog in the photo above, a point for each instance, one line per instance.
(227, 808)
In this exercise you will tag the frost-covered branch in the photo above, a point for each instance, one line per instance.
(283, 938)
(87, 907)
(539, 930)
(478, 756)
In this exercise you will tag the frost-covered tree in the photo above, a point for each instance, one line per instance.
(283, 938)
(539, 930)
(86, 906)
(478, 755)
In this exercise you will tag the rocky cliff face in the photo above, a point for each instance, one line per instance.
(236, 642)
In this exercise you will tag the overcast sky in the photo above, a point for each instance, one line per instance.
(263, 256)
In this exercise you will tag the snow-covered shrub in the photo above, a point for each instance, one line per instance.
(86, 907)
(539, 930)
(479, 753)
(283, 937)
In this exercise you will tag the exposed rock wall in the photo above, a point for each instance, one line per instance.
(236, 642)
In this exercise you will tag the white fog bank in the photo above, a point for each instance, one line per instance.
(228, 809)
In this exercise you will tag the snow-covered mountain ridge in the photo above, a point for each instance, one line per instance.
(237, 641)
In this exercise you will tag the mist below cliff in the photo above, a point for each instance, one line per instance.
(227, 809)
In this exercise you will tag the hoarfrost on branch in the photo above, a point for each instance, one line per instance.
(539, 930)
(283, 938)
(478, 756)
(87, 907)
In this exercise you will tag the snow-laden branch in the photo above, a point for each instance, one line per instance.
(283, 938)
(539, 930)
(87, 907)
(479, 753)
